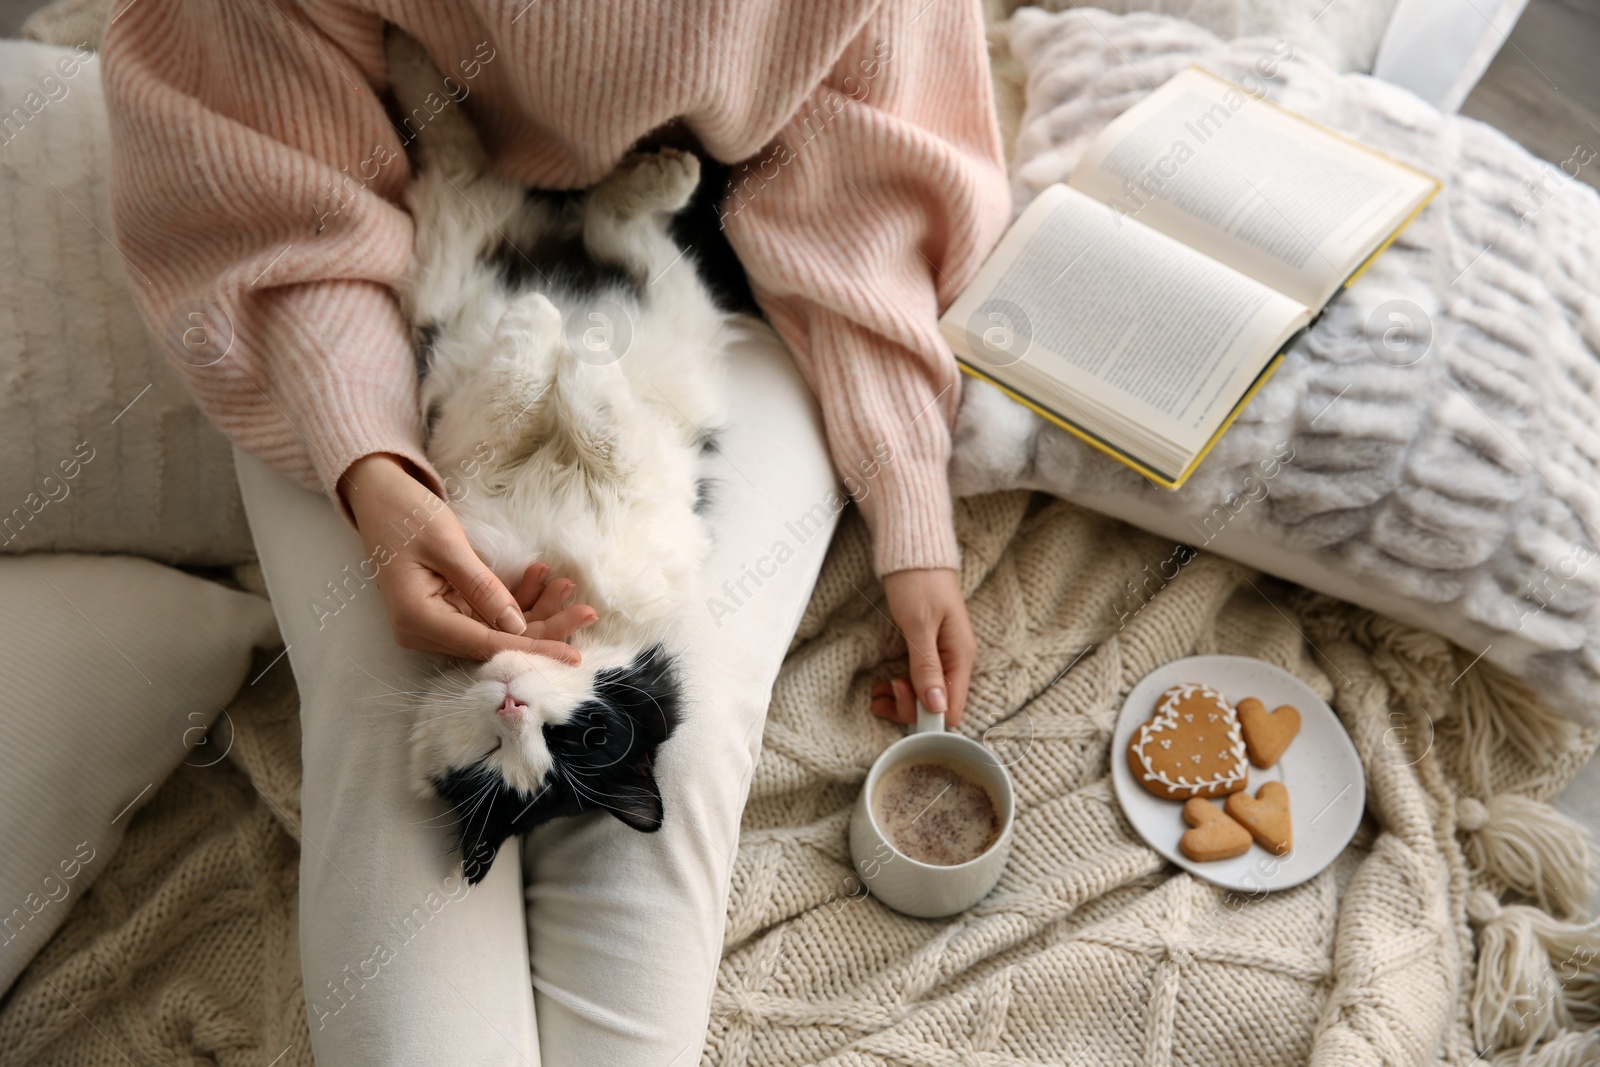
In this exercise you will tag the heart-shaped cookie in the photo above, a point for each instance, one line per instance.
(1265, 816)
(1267, 733)
(1215, 836)
(1191, 747)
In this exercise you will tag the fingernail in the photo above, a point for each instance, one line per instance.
(934, 700)
(511, 621)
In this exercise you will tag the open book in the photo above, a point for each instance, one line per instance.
(1141, 305)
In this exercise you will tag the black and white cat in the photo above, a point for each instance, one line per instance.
(571, 358)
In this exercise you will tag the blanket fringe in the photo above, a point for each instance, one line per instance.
(1572, 1049)
(1541, 854)
(1537, 976)
(1494, 712)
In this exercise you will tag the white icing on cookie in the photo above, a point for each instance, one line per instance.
(1166, 719)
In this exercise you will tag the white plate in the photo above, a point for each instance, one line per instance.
(1327, 789)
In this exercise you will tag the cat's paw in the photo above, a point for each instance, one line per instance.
(648, 182)
(529, 318)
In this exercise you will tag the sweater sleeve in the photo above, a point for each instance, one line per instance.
(255, 190)
(872, 209)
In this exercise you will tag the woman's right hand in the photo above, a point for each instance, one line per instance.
(439, 593)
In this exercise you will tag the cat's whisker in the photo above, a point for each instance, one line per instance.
(591, 793)
(478, 803)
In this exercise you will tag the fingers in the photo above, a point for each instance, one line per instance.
(477, 584)
(961, 650)
(905, 702)
(927, 669)
(551, 598)
(445, 630)
(558, 650)
(532, 585)
(541, 600)
(895, 700)
(428, 616)
(883, 700)
(562, 625)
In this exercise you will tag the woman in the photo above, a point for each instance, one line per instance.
(256, 186)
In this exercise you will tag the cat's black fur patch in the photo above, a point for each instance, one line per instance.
(699, 227)
(604, 761)
(558, 261)
(422, 347)
(704, 490)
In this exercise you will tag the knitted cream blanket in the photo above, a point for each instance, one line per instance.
(1449, 926)
(1091, 950)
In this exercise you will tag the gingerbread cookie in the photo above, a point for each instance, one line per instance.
(1265, 816)
(1267, 733)
(1191, 747)
(1215, 836)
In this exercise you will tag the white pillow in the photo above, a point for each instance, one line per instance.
(1431, 448)
(104, 449)
(111, 669)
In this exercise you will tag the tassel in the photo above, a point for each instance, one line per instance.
(1572, 1049)
(1537, 976)
(1496, 717)
(1543, 855)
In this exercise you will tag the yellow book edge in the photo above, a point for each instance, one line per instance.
(1352, 142)
(1106, 447)
(1376, 252)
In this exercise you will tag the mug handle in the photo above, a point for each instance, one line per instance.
(928, 722)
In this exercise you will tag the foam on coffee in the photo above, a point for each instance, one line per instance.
(932, 812)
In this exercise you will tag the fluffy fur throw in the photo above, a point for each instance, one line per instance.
(1442, 415)
(1345, 36)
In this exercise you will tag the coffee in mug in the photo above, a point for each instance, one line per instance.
(935, 814)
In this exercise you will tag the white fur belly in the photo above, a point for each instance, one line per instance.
(633, 552)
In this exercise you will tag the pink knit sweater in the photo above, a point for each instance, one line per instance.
(256, 180)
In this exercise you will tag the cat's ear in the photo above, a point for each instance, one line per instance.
(477, 855)
(486, 808)
(637, 802)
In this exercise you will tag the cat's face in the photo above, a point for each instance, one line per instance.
(523, 739)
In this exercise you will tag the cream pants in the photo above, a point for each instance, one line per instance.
(602, 948)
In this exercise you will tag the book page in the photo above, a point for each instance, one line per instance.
(1267, 193)
(1141, 339)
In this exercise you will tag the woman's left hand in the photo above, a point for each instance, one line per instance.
(927, 607)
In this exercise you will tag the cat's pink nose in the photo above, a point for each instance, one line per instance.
(511, 708)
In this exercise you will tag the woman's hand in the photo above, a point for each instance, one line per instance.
(927, 607)
(439, 593)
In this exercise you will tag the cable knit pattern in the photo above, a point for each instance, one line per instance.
(1459, 478)
(257, 177)
(80, 377)
(1090, 951)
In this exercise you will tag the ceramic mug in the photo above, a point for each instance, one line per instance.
(926, 890)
